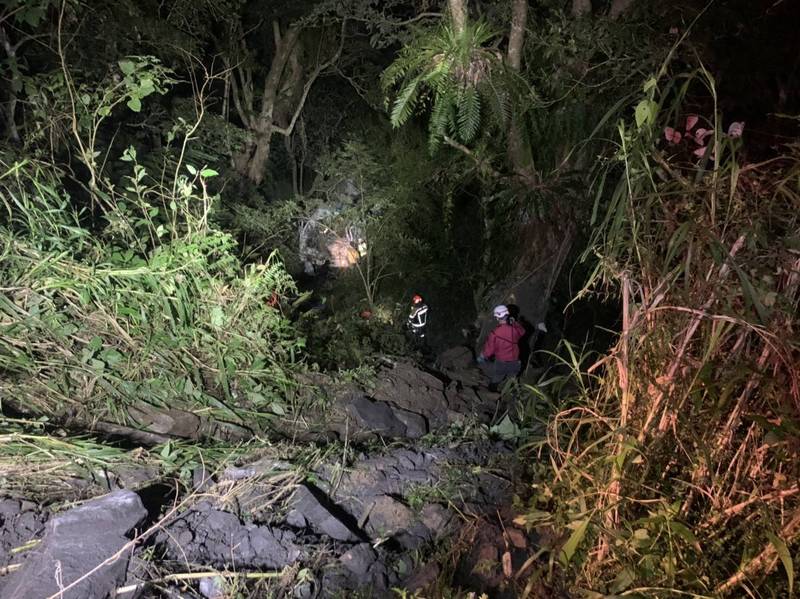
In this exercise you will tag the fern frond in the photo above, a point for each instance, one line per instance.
(405, 102)
(393, 73)
(469, 114)
(449, 68)
(498, 104)
(443, 120)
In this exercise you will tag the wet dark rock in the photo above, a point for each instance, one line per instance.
(416, 425)
(296, 519)
(437, 519)
(376, 417)
(422, 577)
(322, 517)
(406, 387)
(218, 538)
(404, 401)
(75, 543)
(397, 473)
(359, 559)
(458, 364)
(20, 521)
(388, 516)
(456, 359)
(361, 569)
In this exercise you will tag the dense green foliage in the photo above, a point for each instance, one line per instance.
(95, 323)
(171, 191)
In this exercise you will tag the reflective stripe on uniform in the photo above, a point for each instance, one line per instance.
(418, 318)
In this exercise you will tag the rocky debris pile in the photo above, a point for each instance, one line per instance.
(204, 535)
(82, 554)
(457, 364)
(369, 517)
(405, 402)
(355, 526)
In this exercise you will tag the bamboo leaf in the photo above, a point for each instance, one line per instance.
(786, 559)
(682, 531)
(574, 541)
(751, 297)
(645, 113)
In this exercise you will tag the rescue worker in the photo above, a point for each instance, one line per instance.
(418, 318)
(502, 344)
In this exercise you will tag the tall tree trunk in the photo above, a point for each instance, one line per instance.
(619, 7)
(542, 245)
(581, 8)
(258, 154)
(11, 105)
(518, 150)
(516, 37)
(458, 12)
(285, 92)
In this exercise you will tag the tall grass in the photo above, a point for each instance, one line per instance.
(676, 474)
(141, 314)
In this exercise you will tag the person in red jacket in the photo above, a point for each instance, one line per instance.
(502, 344)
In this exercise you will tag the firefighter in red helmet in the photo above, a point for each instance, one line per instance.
(418, 318)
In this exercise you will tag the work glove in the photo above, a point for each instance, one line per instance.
(541, 326)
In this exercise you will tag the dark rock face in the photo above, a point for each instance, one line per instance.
(416, 425)
(209, 536)
(405, 402)
(75, 543)
(376, 417)
(20, 522)
(364, 568)
(320, 515)
(422, 577)
(407, 389)
(388, 516)
(359, 559)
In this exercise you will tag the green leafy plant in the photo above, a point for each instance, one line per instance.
(462, 75)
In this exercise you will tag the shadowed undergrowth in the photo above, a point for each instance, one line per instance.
(673, 470)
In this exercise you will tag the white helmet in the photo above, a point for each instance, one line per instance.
(500, 311)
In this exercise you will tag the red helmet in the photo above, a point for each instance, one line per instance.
(416, 299)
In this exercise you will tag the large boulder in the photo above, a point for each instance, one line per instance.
(81, 555)
(376, 417)
(542, 249)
